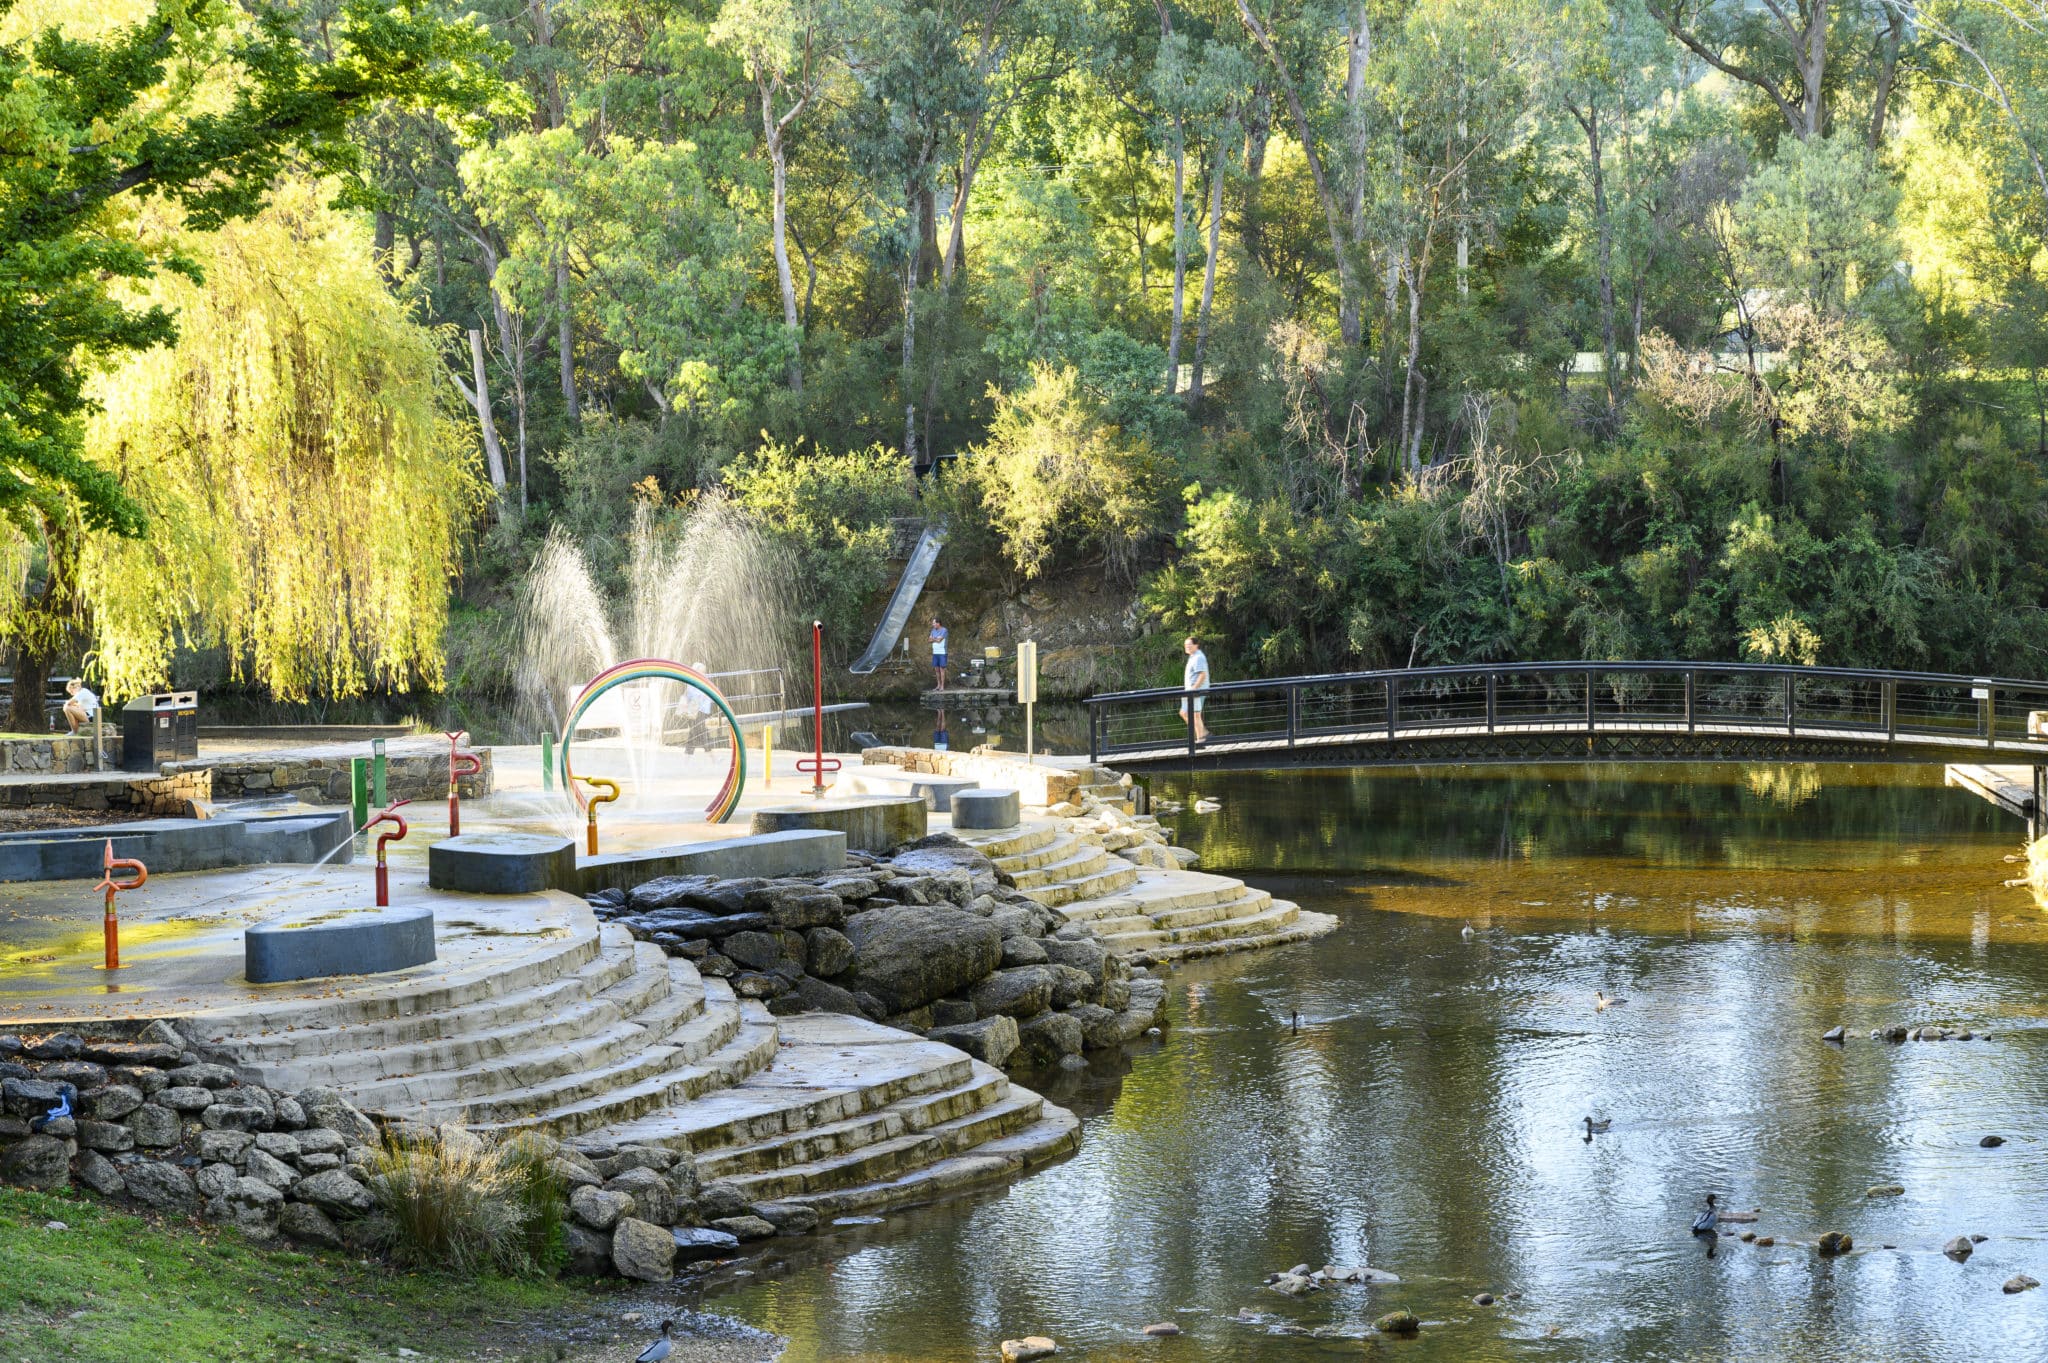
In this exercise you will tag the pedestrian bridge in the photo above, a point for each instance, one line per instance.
(1579, 712)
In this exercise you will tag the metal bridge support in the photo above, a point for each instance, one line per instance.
(2037, 808)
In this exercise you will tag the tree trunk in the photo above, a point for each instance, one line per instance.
(45, 624)
(1209, 267)
(1258, 127)
(1604, 236)
(910, 272)
(778, 161)
(1813, 68)
(1180, 257)
(1887, 72)
(1359, 46)
(479, 399)
(1414, 387)
(382, 243)
(565, 343)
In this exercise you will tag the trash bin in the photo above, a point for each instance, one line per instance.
(158, 728)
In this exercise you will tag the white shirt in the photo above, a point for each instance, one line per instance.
(87, 700)
(1198, 666)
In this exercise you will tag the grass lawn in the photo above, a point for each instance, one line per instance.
(117, 1287)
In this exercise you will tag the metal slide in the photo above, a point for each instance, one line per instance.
(897, 617)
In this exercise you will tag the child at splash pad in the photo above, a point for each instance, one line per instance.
(696, 708)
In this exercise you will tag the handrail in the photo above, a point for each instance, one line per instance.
(1874, 717)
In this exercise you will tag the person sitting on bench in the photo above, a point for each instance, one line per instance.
(80, 704)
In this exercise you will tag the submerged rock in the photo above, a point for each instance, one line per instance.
(1833, 1034)
(1991, 1142)
(1399, 1323)
(1836, 1242)
(1959, 1248)
(2020, 1282)
(1885, 1190)
(1028, 1348)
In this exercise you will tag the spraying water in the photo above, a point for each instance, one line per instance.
(702, 588)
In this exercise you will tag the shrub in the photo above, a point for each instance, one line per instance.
(464, 1204)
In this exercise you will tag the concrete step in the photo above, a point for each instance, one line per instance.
(828, 1069)
(1279, 915)
(1251, 903)
(1136, 940)
(1059, 847)
(1110, 927)
(1108, 882)
(742, 1041)
(1082, 861)
(615, 961)
(890, 1158)
(661, 1013)
(405, 998)
(1166, 891)
(1018, 840)
(1055, 1134)
(1306, 927)
(984, 1088)
(1092, 911)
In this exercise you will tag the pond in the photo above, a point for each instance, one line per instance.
(1424, 1115)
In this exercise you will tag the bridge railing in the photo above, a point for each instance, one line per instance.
(1593, 697)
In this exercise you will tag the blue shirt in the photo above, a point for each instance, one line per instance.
(938, 641)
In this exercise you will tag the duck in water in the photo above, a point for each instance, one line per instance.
(1592, 1126)
(1704, 1223)
(1601, 1003)
(1466, 932)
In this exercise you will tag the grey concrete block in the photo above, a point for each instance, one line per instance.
(502, 863)
(352, 942)
(938, 791)
(873, 824)
(165, 845)
(993, 808)
(794, 852)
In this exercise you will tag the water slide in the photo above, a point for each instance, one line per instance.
(894, 619)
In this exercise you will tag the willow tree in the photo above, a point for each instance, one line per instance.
(305, 482)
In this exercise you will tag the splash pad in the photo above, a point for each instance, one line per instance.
(657, 669)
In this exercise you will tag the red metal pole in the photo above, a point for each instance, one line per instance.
(818, 702)
(386, 815)
(459, 765)
(112, 926)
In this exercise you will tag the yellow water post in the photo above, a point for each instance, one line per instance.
(611, 789)
(768, 756)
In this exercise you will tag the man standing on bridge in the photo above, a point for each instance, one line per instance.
(1195, 677)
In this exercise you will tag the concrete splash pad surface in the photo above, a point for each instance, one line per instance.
(182, 941)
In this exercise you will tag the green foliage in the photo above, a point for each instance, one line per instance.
(469, 1206)
(831, 512)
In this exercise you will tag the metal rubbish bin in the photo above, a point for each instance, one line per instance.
(158, 728)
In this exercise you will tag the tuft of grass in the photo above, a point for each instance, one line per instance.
(114, 1287)
(469, 1205)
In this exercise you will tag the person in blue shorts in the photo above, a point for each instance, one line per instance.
(939, 653)
(1195, 677)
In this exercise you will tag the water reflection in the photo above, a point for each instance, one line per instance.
(1427, 1115)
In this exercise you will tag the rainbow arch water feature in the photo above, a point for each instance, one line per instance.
(659, 669)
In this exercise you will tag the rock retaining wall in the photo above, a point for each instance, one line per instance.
(323, 777)
(171, 796)
(59, 754)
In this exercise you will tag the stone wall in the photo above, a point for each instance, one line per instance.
(1037, 784)
(322, 776)
(59, 754)
(175, 796)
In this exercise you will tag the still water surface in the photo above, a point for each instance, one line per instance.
(1425, 1117)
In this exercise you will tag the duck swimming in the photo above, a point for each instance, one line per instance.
(1601, 1125)
(1601, 1003)
(1704, 1223)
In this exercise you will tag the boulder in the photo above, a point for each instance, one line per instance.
(945, 857)
(653, 1199)
(224, 1146)
(309, 1225)
(1027, 1349)
(600, 1209)
(1399, 1323)
(795, 904)
(55, 1046)
(28, 1097)
(160, 1186)
(265, 1167)
(39, 1162)
(185, 1098)
(111, 1102)
(100, 1174)
(335, 1193)
(1023, 951)
(155, 1126)
(205, 1076)
(788, 1218)
(756, 950)
(108, 1137)
(80, 1074)
(717, 1200)
(2020, 1282)
(1885, 1190)
(656, 1157)
(908, 955)
(590, 1252)
(1957, 1249)
(643, 1251)
(280, 1144)
(822, 997)
(991, 1040)
(215, 1180)
(1091, 958)
(701, 1242)
(325, 1107)
(829, 952)
(1836, 1242)
(1100, 1028)
(1048, 1037)
(1070, 986)
(254, 1206)
(1021, 992)
(745, 1227)
(315, 1140)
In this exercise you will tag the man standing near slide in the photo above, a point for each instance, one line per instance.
(1194, 677)
(938, 653)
